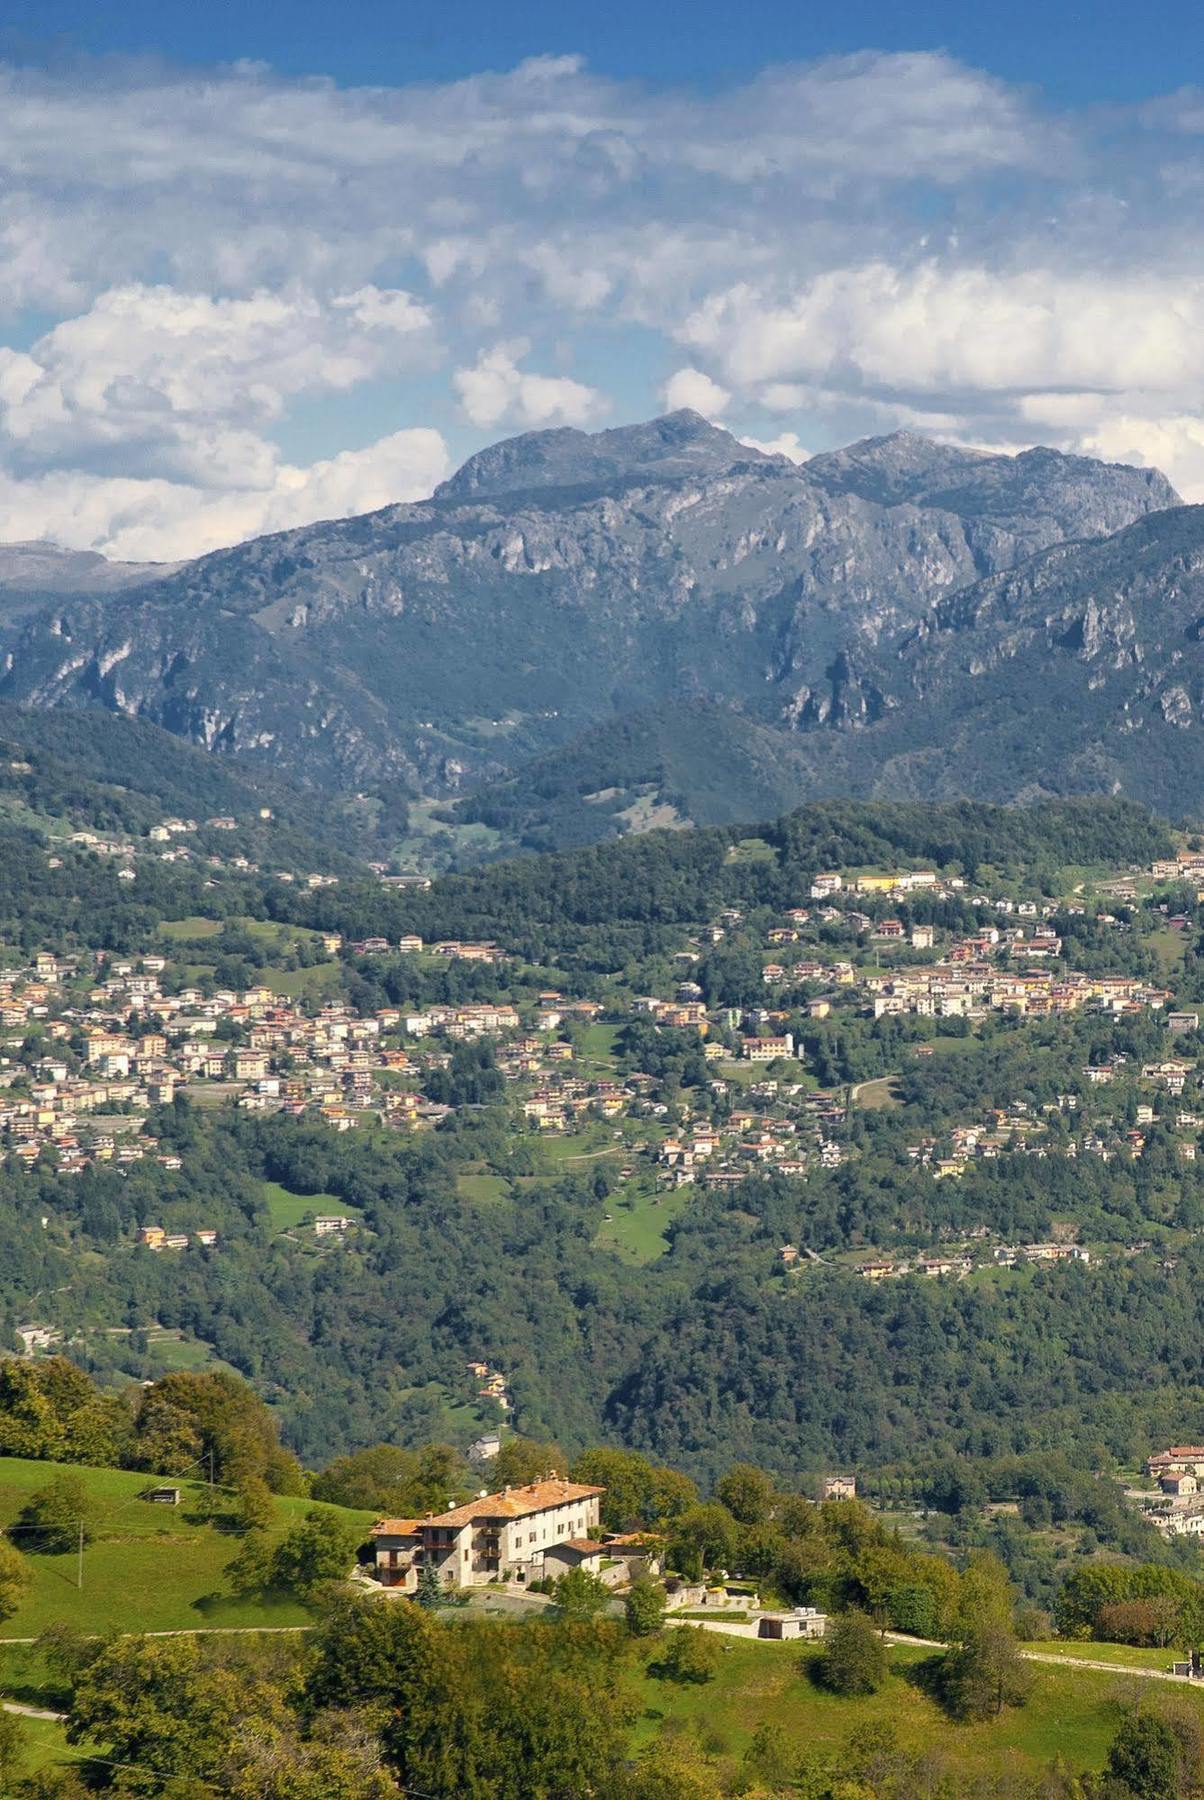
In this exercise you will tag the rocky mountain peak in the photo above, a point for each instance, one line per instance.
(675, 447)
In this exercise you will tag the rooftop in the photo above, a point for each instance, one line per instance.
(510, 1503)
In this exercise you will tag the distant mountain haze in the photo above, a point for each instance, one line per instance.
(840, 622)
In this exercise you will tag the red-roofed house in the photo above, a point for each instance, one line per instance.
(502, 1536)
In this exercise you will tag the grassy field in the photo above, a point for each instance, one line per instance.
(46, 1747)
(147, 1568)
(482, 1189)
(576, 1148)
(636, 1228)
(304, 984)
(288, 1209)
(1169, 947)
(875, 1096)
(193, 927)
(598, 1047)
(1072, 1712)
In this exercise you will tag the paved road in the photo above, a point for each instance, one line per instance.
(29, 1712)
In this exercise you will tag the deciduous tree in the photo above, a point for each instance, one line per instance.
(854, 1657)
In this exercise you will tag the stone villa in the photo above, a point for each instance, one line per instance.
(497, 1537)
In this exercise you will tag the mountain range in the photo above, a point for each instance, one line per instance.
(580, 634)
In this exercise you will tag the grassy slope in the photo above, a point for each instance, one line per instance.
(149, 1568)
(1073, 1712)
(638, 1219)
(288, 1209)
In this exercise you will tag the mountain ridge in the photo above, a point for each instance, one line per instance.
(562, 580)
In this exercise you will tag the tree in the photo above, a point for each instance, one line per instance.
(637, 1492)
(54, 1784)
(854, 1656)
(581, 1595)
(340, 1760)
(14, 1578)
(691, 1654)
(254, 1504)
(157, 1706)
(985, 1597)
(520, 1461)
(65, 1650)
(432, 1593)
(57, 1513)
(984, 1673)
(320, 1549)
(366, 1653)
(374, 1479)
(12, 1750)
(708, 1533)
(1145, 1757)
(747, 1492)
(769, 1758)
(251, 1570)
(644, 1606)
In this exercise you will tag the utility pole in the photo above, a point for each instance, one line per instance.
(80, 1576)
(211, 1468)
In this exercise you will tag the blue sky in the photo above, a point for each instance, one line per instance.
(262, 264)
(1108, 50)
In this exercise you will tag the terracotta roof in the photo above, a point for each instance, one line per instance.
(396, 1528)
(511, 1503)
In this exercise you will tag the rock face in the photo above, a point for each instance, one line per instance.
(1080, 670)
(561, 579)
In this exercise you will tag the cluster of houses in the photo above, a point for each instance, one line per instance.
(90, 1046)
(1179, 1509)
(961, 1262)
(958, 987)
(165, 842)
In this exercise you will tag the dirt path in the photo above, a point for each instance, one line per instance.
(1108, 1668)
(29, 1712)
(748, 1629)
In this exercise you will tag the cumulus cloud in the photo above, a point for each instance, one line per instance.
(939, 329)
(785, 444)
(832, 248)
(1096, 362)
(690, 387)
(156, 520)
(184, 381)
(495, 391)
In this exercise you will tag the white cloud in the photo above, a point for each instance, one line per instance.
(495, 391)
(845, 244)
(181, 384)
(159, 520)
(785, 444)
(936, 328)
(691, 387)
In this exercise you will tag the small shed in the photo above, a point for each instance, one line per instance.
(162, 1496)
(803, 1622)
